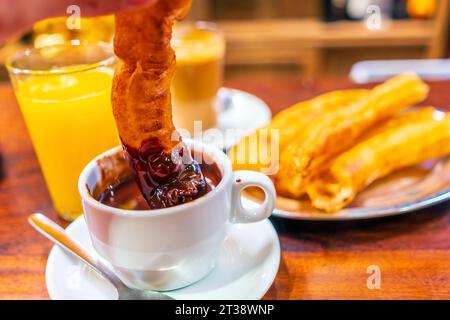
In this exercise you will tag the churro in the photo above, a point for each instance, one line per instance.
(404, 141)
(142, 105)
(248, 154)
(334, 132)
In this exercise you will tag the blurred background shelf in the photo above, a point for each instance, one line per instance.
(291, 38)
(330, 48)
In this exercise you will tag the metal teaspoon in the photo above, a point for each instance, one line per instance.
(58, 235)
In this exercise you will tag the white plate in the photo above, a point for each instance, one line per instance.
(240, 114)
(404, 191)
(246, 268)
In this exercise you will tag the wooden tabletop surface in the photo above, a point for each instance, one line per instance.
(319, 260)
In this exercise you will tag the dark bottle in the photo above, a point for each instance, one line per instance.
(334, 10)
(399, 10)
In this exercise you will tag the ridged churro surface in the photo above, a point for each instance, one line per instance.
(334, 132)
(142, 105)
(404, 141)
(141, 87)
(254, 152)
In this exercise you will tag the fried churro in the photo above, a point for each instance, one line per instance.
(248, 154)
(406, 140)
(334, 132)
(142, 105)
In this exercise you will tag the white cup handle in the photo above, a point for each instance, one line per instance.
(242, 180)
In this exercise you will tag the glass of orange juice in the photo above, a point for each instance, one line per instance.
(200, 50)
(64, 94)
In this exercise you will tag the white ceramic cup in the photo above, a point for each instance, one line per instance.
(170, 248)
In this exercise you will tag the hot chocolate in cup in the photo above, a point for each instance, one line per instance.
(169, 248)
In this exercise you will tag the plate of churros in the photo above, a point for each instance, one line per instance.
(353, 154)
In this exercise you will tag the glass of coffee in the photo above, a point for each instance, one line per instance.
(200, 50)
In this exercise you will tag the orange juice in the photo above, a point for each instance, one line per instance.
(70, 121)
(200, 51)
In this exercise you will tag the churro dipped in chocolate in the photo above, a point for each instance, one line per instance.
(165, 173)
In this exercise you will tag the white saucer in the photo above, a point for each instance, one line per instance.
(246, 268)
(240, 114)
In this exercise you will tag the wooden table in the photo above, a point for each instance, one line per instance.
(319, 260)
